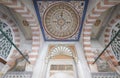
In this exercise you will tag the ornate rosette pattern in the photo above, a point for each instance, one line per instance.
(61, 21)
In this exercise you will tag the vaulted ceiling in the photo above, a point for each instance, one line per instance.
(103, 21)
(61, 20)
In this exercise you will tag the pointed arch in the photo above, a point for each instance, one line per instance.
(21, 8)
(99, 8)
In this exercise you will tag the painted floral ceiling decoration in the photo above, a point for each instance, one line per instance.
(60, 20)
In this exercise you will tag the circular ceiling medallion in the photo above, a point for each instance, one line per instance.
(61, 20)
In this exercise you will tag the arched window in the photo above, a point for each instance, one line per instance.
(5, 45)
(116, 43)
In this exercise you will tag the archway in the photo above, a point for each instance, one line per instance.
(61, 59)
(99, 8)
(20, 8)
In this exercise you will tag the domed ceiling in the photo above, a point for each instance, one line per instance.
(61, 20)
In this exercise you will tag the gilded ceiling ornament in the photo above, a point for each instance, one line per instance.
(97, 23)
(25, 23)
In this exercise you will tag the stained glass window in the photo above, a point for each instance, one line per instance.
(5, 45)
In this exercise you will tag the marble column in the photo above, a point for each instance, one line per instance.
(83, 71)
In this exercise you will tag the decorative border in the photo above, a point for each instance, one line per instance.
(42, 29)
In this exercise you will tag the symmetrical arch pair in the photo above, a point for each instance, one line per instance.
(25, 12)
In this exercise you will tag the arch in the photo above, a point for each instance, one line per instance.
(21, 8)
(61, 50)
(15, 30)
(107, 35)
(99, 8)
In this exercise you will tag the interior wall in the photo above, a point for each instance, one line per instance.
(1, 66)
(42, 63)
(91, 5)
(52, 74)
(106, 38)
(19, 39)
(5, 11)
(30, 6)
(24, 43)
(96, 46)
(26, 13)
(102, 37)
(83, 68)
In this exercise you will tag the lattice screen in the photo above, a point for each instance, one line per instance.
(5, 45)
